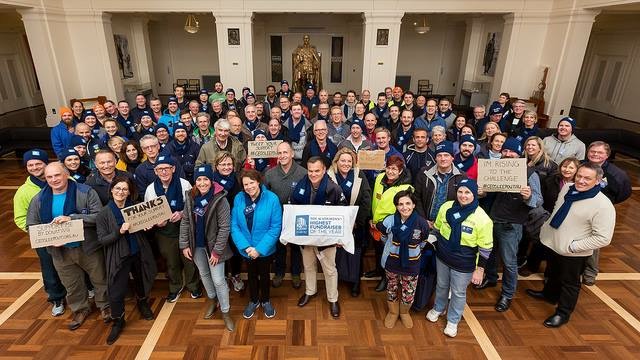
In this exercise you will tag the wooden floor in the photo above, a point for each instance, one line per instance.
(605, 324)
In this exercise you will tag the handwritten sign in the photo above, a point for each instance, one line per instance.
(147, 214)
(55, 234)
(371, 159)
(263, 149)
(503, 175)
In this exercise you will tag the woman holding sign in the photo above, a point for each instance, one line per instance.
(125, 253)
(260, 164)
(204, 236)
(355, 188)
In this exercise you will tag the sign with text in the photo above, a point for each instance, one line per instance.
(318, 225)
(147, 214)
(56, 234)
(502, 175)
(371, 159)
(263, 149)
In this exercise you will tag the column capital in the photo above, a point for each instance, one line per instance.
(232, 17)
(387, 16)
(541, 17)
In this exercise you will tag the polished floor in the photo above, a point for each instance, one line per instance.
(605, 325)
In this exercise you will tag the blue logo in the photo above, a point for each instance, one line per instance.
(302, 225)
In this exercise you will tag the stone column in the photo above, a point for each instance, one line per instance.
(380, 61)
(236, 61)
(473, 46)
(140, 45)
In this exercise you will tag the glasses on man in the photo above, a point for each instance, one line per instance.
(163, 169)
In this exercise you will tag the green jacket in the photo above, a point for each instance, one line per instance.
(21, 201)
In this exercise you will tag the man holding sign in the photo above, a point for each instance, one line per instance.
(61, 201)
(317, 189)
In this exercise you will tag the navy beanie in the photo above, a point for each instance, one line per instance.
(495, 108)
(68, 152)
(87, 113)
(358, 123)
(470, 184)
(172, 99)
(76, 140)
(445, 147)
(257, 132)
(203, 170)
(467, 138)
(162, 126)
(35, 154)
(166, 160)
(571, 122)
(179, 126)
(512, 144)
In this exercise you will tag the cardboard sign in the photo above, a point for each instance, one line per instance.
(503, 175)
(263, 149)
(318, 225)
(56, 234)
(147, 214)
(371, 159)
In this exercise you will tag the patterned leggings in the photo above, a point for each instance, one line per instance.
(408, 285)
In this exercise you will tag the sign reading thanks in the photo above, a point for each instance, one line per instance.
(147, 214)
(263, 149)
(502, 175)
(56, 234)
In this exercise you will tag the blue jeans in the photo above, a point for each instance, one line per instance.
(506, 237)
(52, 284)
(212, 278)
(457, 282)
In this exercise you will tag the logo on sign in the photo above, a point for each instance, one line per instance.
(302, 225)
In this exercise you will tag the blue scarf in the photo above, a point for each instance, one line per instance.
(346, 183)
(200, 205)
(227, 182)
(280, 136)
(570, 197)
(329, 151)
(261, 164)
(115, 210)
(402, 233)
(294, 131)
(403, 137)
(79, 178)
(41, 183)
(46, 201)
(463, 164)
(302, 192)
(181, 148)
(174, 193)
(95, 131)
(445, 114)
(455, 216)
(250, 208)
(252, 125)
(527, 133)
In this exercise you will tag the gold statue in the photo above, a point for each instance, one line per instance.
(306, 67)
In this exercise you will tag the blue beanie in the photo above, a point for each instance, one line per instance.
(88, 113)
(35, 154)
(172, 99)
(203, 170)
(204, 91)
(282, 82)
(495, 108)
(571, 122)
(145, 113)
(358, 123)
(162, 126)
(470, 184)
(445, 147)
(77, 140)
(467, 138)
(512, 144)
(257, 132)
(68, 152)
(179, 126)
(165, 160)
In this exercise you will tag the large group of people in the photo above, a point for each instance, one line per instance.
(423, 214)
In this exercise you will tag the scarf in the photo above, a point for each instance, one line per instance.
(346, 183)
(181, 149)
(78, 177)
(261, 164)
(463, 164)
(570, 197)
(302, 192)
(46, 201)
(380, 112)
(227, 182)
(527, 133)
(455, 216)
(329, 151)
(280, 136)
(200, 205)
(95, 131)
(250, 208)
(115, 210)
(252, 125)
(445, 114)
(174, 193)
(402, 233)
(294, 131)
(403, 137)
(41, 183)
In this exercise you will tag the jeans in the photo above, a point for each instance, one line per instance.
(212, 278)
(52, 284)
(506, 237)
(457, 282)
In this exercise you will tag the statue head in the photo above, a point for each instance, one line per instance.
(305, 39)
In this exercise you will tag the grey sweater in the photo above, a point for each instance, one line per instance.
(282, 184)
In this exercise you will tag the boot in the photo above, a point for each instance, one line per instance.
(211, 308)
(116, 329)
(145, 309)
(382, 285)
(405, 316)
(392, 315)
(228, 322)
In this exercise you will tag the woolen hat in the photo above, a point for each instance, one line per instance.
(203, 170)
(63, 110)
(513, 145)
(179, 126)
(282, 82)
(204, 91)
(358, 123)
(172, 99)
(77, 140)
(35, 154)
(571, 122)
(165, 160)
(470, 184)
(257, 132)
(467, 138)
(68, 152)
(88, 113)
(445, 147)
(162, 126)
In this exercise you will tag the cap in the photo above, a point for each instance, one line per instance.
(172, 99)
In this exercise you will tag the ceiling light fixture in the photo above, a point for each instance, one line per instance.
(424, 28)
(191, 26)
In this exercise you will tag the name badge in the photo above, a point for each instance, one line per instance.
(204, 202)
(223, 181)
(198, 211)
(301, 192)
(515, 121)
(348, 183)
(467, 229)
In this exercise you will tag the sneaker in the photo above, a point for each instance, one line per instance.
(91, 294)
(78, 318)
(196, 294)
(58, 308)
(238, 284)
(173, 297)
(250, 310)
(277, 281)
(433, 315)
(296, 282)
(268, 309)
(451, 330)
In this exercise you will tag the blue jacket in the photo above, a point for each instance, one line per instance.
(169, 120)
(187, 159)
(422, 123)
(60, 138)
(267, 223)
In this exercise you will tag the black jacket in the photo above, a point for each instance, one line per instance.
(618, 188)
(425, 185)
(101, 186)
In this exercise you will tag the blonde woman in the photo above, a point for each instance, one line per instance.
(529, 127)
(537, 158)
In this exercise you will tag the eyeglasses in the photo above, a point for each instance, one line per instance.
(120, 190)
(319, 130)
(163, 170)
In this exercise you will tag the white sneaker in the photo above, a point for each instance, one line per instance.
(58, 308)
(451, 330)
(433, 315)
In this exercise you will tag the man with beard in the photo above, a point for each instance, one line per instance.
(271, 99)
(464, 160)
(171, 116)
(61, 134)
(263, 116)
(183, 149)
(402, 135)
(217, 94)
(445, 112)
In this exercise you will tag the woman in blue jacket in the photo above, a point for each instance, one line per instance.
(256, 221)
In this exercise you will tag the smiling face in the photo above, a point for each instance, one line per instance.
(203, 184)
(225, 167)
(431, 107)
(162, 134)
(382, 140)
(123, 109)
(315, 172)
(72, 162)
(530, 120)
(586, 179)
(466, 149)
(36, 168)
(285, 154)
(497, 142)
(251, 187)
(150, 147)
(222, 134)
(370, 122)
(564, 129)
(57, 177)
(77, 108)
(464, 196)
(180, 135)
(392, 172)
(597, 154)
(490, 129)
(106, 164)
(120, 191)
(568, 170)
(532, 148)
(405, 207)
(131, 152)
(156, 106)
(164, 172)
(420, 139)
(345, 163)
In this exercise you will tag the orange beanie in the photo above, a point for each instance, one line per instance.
(64, 109)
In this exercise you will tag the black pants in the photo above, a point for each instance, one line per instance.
(118, 286)
(258, 271)
(280, 264)
(563, 284)
(234, 264)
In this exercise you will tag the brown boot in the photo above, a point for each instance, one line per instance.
(228, 322)
(78, 318)
(212, 305)
(392, 315)
(405, 316)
